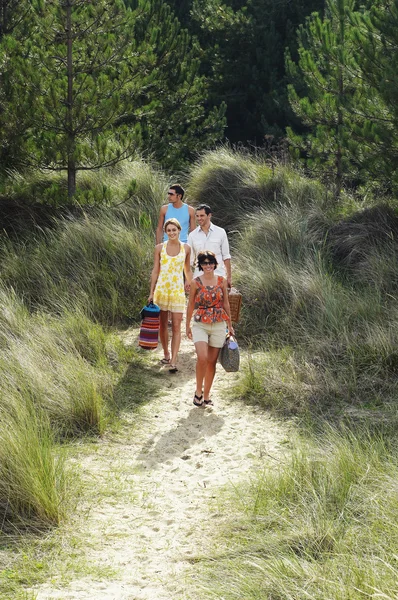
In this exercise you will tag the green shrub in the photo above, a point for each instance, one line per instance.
(58, 366)
(130, 180)
(56, 381)
(339, 319)
(44, 365)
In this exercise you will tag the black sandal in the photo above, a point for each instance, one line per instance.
(208, 402)
(197, 400)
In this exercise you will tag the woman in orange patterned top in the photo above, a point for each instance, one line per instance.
(172, 258)
(208, 301)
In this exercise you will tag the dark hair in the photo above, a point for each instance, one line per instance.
(178, 189)
(203, 254)
(204, 207)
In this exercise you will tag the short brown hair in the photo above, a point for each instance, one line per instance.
(204, 207)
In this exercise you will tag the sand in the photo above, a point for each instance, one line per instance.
(163, 472)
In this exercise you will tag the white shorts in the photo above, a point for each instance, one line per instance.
(211, 333)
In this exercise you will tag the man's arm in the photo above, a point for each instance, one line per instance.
(227, 263)
(192, 220)
(159, 229)
(226, 256)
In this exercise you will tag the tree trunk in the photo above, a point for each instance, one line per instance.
(340, 125)
(69, 105)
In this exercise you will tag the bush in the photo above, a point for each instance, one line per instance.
(57, 363)
(97, 258)
(326, 290)
(225, 180)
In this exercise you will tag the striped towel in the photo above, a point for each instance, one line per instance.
(149, 333)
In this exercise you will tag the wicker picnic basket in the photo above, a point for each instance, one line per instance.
(235, 303)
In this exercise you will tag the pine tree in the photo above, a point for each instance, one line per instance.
(102, 79)
(327, 87)
(272, 28)
(243, 44)
(79, 65)
(377, 36)
(14, 16)
(177, 121)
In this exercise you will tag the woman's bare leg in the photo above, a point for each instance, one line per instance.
(212, 355)
(176, 320)
(201, 365)
(164, 334)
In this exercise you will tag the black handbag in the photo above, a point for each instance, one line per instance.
(229, 356)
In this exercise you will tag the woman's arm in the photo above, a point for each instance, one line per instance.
(190, 306)
(187, 267)
(155, 271)
(226, 306)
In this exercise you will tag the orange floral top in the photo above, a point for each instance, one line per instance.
(209, 302)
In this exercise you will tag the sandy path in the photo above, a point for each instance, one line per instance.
(165, 471)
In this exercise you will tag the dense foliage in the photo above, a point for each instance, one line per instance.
(86, 84)
(243, 44)
(344, 88)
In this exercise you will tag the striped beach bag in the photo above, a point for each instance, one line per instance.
(149, 331)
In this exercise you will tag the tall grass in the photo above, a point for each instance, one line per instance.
(48, 390)
(93, 263)
(320, 525)
(58, 365)
(333, 314)
(131, 180)
(33, 479)
(234, 182)
(100, 260)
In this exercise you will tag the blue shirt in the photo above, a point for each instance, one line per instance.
(182, 216)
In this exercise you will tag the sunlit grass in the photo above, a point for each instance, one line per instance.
(322, 524)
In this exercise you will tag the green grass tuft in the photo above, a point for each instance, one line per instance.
(314, 527)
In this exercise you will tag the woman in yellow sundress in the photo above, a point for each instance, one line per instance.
(172, 259)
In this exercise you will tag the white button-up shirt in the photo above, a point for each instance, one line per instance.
(216, 241)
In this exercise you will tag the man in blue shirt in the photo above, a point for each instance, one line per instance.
(176, 209)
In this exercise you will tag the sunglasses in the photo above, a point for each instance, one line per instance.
(207, 262)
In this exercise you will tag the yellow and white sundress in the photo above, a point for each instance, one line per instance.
(169, 291)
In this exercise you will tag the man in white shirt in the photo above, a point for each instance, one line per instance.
(208, 236)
